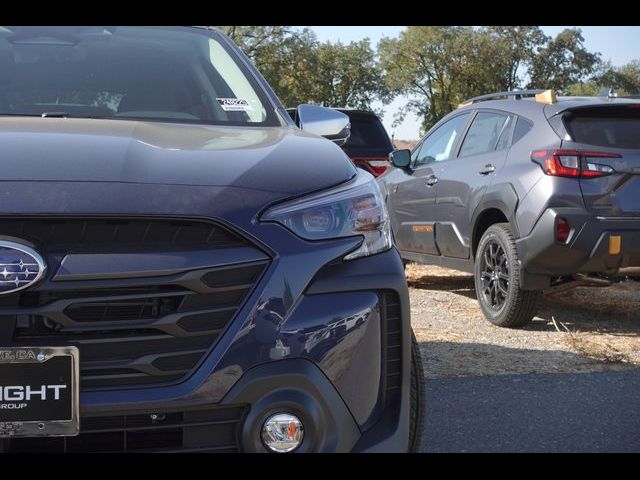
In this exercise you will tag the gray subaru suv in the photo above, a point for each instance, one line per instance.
(529, 191)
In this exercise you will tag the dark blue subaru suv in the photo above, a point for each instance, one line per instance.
(182, 268)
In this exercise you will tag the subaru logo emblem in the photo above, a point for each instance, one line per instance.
(20, 266)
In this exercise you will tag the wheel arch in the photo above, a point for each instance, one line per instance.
(498, 205)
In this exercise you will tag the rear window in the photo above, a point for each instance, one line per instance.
(606, 126)
(368, 132)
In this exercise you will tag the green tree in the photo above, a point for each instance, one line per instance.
(512, 50)
(589, 88)
(348, 75)
(433, 66)
(625, 79)
(283, 54)
(439, 67)
(302, 70)
(562, 62)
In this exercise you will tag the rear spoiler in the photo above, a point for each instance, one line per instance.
(578, 103)
(555, 112)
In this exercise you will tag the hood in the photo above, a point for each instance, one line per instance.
(273, 159)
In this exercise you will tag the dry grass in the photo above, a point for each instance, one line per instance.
(586, 329)
(598, 349)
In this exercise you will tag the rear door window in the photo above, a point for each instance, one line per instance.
(605, 126)
(488, 132)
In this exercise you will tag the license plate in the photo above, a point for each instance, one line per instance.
(39, 394)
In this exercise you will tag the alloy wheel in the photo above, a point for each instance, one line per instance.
(495, 275)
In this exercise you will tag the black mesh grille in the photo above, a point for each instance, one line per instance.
(124, 310)
(211, 430)
(93, 234)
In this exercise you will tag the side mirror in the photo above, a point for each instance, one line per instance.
(325, 122)
(400, 158)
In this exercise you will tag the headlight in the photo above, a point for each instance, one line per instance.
(356, 208)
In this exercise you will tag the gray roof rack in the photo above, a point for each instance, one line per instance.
(493, 96)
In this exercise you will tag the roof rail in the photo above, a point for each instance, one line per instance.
(518, 94)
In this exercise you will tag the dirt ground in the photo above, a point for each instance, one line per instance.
(595, 329)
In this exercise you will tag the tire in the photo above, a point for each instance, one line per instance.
(417, 400)
(497, 280)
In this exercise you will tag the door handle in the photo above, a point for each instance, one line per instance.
(431, 180)
(488, 168)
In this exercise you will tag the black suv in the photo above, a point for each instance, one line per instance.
(528, 191)
(369, 145)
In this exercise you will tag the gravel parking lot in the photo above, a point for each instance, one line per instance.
(595, 329)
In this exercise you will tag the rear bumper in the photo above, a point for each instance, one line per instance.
(587, 250)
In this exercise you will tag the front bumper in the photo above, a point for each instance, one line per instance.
(347, 321)
(334, 350)
(587, 250)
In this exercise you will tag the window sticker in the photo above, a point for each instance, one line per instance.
(234, 104)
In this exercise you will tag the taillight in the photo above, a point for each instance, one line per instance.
(377, 165)
(573, 163)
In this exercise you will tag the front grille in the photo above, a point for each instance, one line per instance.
(131, 332)
(94, 234)
(392, 339)
(138, 338)
(125, 310)
(211, 430)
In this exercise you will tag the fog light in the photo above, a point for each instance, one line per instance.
(282, 432)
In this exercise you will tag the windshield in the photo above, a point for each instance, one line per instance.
(165, 74)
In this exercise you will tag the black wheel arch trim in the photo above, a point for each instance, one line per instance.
(502, 197)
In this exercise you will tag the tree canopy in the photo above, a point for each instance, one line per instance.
(439, 67)
(303, 70)
(434, 67)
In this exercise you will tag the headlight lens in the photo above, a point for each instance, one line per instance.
(354, 209)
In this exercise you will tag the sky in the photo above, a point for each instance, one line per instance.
(620, 45)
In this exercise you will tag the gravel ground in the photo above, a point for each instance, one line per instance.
(599, 329)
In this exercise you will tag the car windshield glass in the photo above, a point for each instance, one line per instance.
(165, 74)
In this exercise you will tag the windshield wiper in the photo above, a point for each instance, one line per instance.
(54, 115)
(41, 115)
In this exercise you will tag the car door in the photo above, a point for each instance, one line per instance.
(464, 177)
(412, 198)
